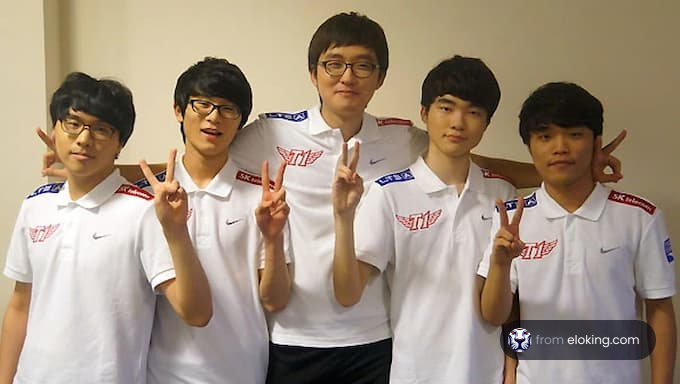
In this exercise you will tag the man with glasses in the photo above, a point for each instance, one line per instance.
(88, 255)
(236, 221)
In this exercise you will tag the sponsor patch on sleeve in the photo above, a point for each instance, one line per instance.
(129, 189)
(632, 200)
(393, 121)
(489, 174)
(144, 183)
(529, 201)
(47, 188)
(669, 251)
(396, 177)
(251, 178)
(296, 117)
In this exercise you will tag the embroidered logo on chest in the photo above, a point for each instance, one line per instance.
(419, 221)
(41, 233)
(299, 157)
(537, 251)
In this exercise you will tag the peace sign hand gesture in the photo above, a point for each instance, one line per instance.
(272, 213)
(348, 186)
(170, 199)
(603, 158)
(507, 244)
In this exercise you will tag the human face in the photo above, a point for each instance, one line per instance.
(211, 134)
(86, 158)
(563, 156)
(455, 126)
(346, 96)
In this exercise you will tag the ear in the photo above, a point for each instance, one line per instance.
(312, 77)
(423, 114)
(179, 115)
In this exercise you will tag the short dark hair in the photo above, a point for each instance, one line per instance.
(345, 29)
(108, 100)
(467, 78)
(563, 104)
(214, 77)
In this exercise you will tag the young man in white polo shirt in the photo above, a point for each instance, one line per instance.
(579, 250)
(315, 339)
(236, 222)
(87, 255)
(426, 227)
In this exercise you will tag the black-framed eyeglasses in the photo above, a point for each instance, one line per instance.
(72, 126)
(360, 69)
(204, 108)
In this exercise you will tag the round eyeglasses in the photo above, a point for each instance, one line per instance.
(360, 69)
(204, 108)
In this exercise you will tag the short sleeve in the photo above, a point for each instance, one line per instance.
(18, 264)
(374, 229)
(249, 147)
(154, 252)
(655, 262)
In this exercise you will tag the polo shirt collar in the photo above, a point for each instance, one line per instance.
(97, 196)
(220, 186)
(591, 209)
(368, 132)
(431, 183)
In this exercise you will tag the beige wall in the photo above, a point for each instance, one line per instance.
(625, 52)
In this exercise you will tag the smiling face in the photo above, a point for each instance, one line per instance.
(208, 135)
(345, 96)
(563, 156)
(88, 160)
(455, 126)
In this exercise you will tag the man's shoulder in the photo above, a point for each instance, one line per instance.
(405, 175)
(630, 202)
(283, 117)
(133, 193)
(46, 190)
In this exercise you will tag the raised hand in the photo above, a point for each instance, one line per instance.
(272, 213)
(50, 157)
(603, 158)
(170, 199)
(507, 244)
(348, 185)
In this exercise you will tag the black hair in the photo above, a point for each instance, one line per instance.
(214, 77)
(467, 78)
(345, 29)
(563, 104)
(107, 100)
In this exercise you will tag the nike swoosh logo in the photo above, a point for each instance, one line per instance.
(485, 218)
(97, 236)
(230, 222)
(375, 161)
(607, 250)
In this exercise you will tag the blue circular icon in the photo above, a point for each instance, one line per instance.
(519, 339)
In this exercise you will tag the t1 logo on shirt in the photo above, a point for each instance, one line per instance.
(538, 250)
(299, 157)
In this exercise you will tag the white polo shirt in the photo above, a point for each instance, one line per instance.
(429, 241)
(93, 264)
(592, 264)
(233, 347)
(313, 318)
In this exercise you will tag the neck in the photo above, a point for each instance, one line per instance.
(202, 169)
(81, 186)
(452, 170)
(571, 197)
(349, 124)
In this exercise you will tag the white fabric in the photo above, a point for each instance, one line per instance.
(233, 347)
(313, 318)
(595, 264)
(93, 265)
(429, 241)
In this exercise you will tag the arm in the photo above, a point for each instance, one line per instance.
(14, 331)
(496, 300)
(189, 292)
(271, 216)
(350, 275)
(661, 318)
